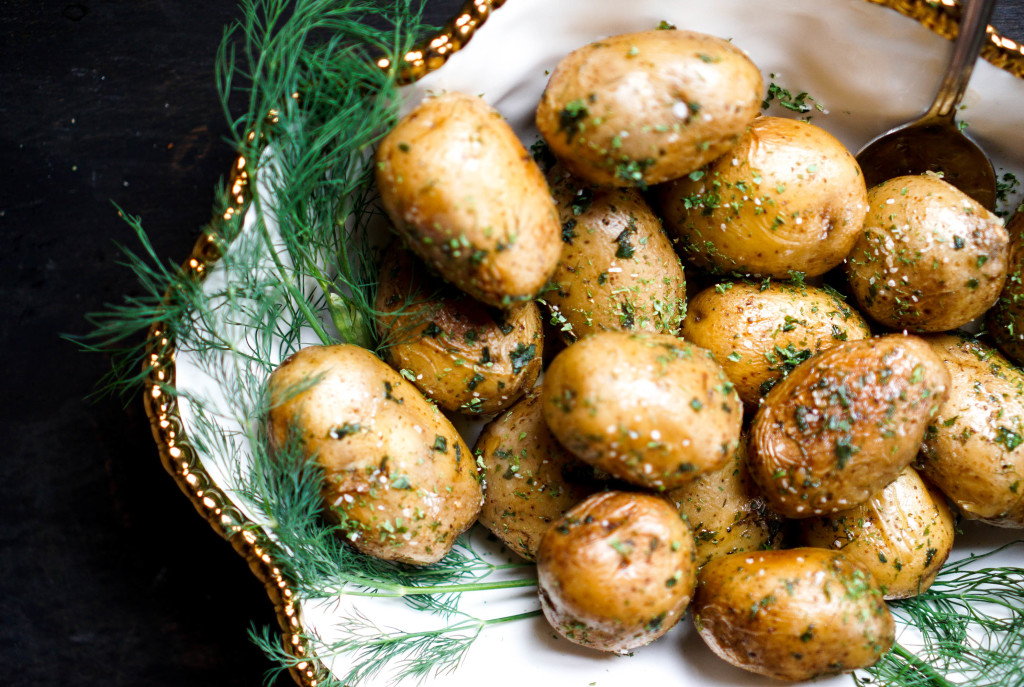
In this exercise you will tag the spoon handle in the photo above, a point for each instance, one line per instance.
(971, 36)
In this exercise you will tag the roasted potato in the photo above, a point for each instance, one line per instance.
(529, 479)
(759, 332)
(902, 535)
(618, 270)
(642, 108)
(1005, 320)
(398, 478)
(788, 198)
(617, 571)
(650, 409)
(792, 615)
(469, 199)
(462, 355)
(844, 424)
(972, 450)
(930, 257)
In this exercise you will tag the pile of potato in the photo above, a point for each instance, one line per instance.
(762, 456)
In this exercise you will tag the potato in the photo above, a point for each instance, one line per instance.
(398, 478)
(462, 355)
(902, 535)
(642, 108)
(617, 571)
(650, 409)
(930, 257)
(792, 615)
(529, 479)
(1005, 320)
(972, 451)
(618, 270)
(726, 512)
(469, 199)
(844, 424)
(788, 198)
(759, 332)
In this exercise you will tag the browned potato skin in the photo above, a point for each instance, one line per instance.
(726, 512)
(463, 355)
(1005, 320)
(643, 108)
(792, 615)
(398, 478)
(906, 270)
(530, 481)
(759, 332)
(974, 449)
(844, 424)
(901, 535)
(618, 270)
(788, 198)
(650, 409)
(469, 199)
(617, 571)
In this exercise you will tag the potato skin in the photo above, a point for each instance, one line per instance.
(643, 108)
(469, 199)
(1005, 320)
(930, 257)
(792, 615)
(398, 478)
(617, 571)
(464, 356)
(788, 198)
(902, 535)
(650, 409)
(726, 512)
(759, 332)
(530, 481)
(618, 270)
(844, 424)
(973, 450)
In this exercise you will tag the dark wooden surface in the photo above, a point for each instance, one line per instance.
(107, 575)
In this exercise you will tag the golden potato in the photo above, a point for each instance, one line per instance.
(788, 198)
(642, 108)
(844, 424)
(462, 355)
(1005, 320)
(529, 479)
(902, 535)
(617, 571)
(760, 332)
(618, 270)
(651, 409)
(930, 257)
(398, 478)
(792, 615)
(469, 199)
(972, 451)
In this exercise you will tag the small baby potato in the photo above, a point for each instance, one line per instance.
(788, 198)
(651, 409)
(462, 355)
(726, 511)
(529, 479)
(902, 535)
(469, 199)
(844, 424)
(792, 615)
(1005, 320)
(398, 478)
(930, 258)
(618, 270)
(972, 450)
(642, 108)
(760, 332)
(617, 571)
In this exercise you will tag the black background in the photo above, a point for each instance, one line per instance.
(107, 574)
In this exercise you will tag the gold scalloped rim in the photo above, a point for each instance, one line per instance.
(181, 461)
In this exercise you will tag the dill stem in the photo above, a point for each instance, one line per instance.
(925, 669)
(511, 618)
(403, 590)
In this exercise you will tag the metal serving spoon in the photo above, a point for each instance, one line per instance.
(935, 142)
